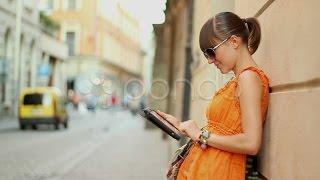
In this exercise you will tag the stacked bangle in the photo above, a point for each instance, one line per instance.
(205, 134)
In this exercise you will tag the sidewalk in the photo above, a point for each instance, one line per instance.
(104, 145)
(8, 123)
(129, 152)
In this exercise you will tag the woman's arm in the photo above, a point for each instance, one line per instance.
(248, 142)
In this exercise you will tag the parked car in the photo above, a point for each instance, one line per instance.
(42, 105)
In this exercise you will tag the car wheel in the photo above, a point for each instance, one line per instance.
(56, 126)
(22, 127)
(65, 124)
(34, 127)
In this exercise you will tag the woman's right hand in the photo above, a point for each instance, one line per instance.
(173, 120)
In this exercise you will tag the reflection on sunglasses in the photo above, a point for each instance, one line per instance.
(210, 52)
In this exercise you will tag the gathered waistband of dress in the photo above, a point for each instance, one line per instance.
(220, 129)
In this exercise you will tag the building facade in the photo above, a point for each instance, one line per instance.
(15, 75)
(34, 44)
(103, 40)
(289, 150)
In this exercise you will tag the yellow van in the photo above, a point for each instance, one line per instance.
(42, 105)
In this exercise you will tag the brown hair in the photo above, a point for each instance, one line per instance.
(226, 24)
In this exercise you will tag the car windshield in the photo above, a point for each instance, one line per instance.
(37, 99)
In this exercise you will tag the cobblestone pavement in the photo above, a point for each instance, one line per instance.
(106, 145)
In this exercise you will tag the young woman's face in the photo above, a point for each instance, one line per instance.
(225, 58)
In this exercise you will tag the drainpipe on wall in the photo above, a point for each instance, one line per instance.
(189, 60)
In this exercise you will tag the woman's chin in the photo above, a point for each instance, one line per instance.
(222, 71)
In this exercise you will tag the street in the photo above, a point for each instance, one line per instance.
(108, 144)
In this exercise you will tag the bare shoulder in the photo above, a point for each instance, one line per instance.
(250, 83)
(250, 77)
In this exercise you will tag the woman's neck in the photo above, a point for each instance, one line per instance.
(245, 60)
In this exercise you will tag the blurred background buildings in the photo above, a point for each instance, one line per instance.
(39, 59)
(80, 46)
(103, 45)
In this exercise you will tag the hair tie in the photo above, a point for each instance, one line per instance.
(246, 24)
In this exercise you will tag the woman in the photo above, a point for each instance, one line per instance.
(236, 113)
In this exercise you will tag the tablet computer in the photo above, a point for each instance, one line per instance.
(160, 122)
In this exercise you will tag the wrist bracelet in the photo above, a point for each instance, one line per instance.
(205, 134)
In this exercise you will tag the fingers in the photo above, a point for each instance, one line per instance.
(164, 115)
(174, 123)
(161, 113)
(182, 131)
(170, 119)
(182, 128)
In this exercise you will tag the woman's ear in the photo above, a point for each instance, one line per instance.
(235, 41)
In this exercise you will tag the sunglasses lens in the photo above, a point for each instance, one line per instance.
(210, 53)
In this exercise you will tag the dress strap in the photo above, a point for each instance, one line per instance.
(263, 77)
(256, 70)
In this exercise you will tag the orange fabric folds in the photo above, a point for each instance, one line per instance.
(224, 118)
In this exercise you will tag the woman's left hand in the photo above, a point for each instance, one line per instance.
(191, 129)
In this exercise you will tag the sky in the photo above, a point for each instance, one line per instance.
(147, 12)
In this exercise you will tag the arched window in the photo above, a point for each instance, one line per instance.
(22, 62)
(4, 62)
(30, 63)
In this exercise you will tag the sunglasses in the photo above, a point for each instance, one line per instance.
(210, 52)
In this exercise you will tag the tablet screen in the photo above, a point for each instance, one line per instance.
(165, 122)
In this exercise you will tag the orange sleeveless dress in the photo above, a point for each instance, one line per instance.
(224, 118)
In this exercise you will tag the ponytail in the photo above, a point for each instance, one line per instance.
(254, 34)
